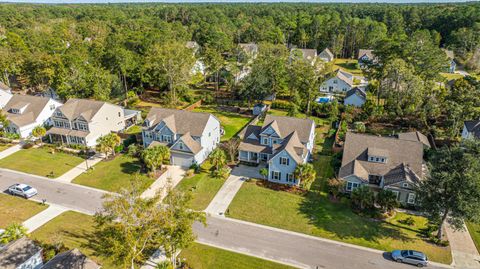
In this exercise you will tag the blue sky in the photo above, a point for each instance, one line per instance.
(226, 1)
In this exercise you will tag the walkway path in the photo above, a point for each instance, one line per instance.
(10, 151)
(79, 169)
(173, 174)
(43, 217)
(232, 185)
(464, 252)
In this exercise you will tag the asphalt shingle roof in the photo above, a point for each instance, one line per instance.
(179, 121)
(33, 107)
(17, 252)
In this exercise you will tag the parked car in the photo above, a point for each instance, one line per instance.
(23, 190)
(411, 257)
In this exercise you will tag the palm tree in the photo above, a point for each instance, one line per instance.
(39, 132)
(218, 158)
(264, 172)
(387, 200)
(363, 197)
(335, 186)
(155, 156)
(107, 143)
(306, 174)
(13, 232)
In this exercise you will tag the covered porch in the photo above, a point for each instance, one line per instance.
(67, 136)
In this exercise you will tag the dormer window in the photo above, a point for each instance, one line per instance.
(180, 145)
(377, 159)
(265, 141)
(15, 111)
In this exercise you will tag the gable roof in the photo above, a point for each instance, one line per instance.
(344, 76)
(356, 91)
(365, 52)
(284, 126)
(293, 146)
(72, 259)
(327, 52)
(415, 136)
(308, 54)
(473, 126)
(188, 140)
(87, 109)
(400, 152)
(17, 252)
(250, 48)
(33, 107)
(179, 121)
(450, 54)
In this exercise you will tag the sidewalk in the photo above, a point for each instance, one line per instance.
(43, 217)
(79, 169)
(10, 151)
(173, 173)
(464, 252)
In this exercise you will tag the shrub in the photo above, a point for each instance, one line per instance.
(133, 150)
(223, 173)
(359, 127)
(281, 104)
(119, 148)
(190, 173)
(27, 145)
(195, 167)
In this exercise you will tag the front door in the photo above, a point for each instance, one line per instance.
(253, 156)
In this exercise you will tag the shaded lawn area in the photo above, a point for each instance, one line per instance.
(200, 256)
(474, 230)
(112, 175)
(14, 209)
(231, 122)
(74, 230)
(39, 161)
(450, 76)
(316, 215)
(135, 129)
(348, 65)
(5, 146)
(203, 188)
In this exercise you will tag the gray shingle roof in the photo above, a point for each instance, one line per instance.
(17, 252)
(415, 136)
(356, 91)
(72, 259)
(294, 147)
(188, 140)
(400, 152)
(4, 87)
(33, 107)
(450, 54)
(250, 48)
(75, 108)
(473, 126)
(368, 53)
(327, 53)
(284, 126)
(179, 121)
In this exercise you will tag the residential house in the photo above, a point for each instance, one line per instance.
(72, 259)
(309, 55)
(247, 51)
(25, 112)
(5, 95)
(259, 109)
(340, 82)
(82, 122)
(191, 136)
(355, 97)
(282, 143)
(366, 57)
(415, 136)
(21, 254)
(383, 163)
(452, 65)
(199, 66)
(326, 55)
(471, 129)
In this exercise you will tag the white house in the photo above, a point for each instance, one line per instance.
(341, 82)
(191, 136)
(82, 122)
(452, 65)
(355, 97)
(326, 55)
(25, 112)
(22, 253)
(5, 96)
(366, 56)
(471, 129)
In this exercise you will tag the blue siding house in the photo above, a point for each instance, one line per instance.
(281, 143)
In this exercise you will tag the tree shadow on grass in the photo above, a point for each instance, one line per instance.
(339, 220)
(131, 167)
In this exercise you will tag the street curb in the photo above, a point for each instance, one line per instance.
(315, 238)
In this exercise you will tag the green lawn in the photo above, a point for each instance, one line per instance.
(347, 65)
(203, 188)
(200, 256)
(17, 210)
(474, 229)
(135, 129)
(4, 146)
(316, 215)
(231, 122)
(112, 175)
(450, 76)
(40, 161)
(74, 230)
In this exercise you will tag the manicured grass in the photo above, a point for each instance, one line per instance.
(4, 146)
(316, 215)
(40, 161)
(112, 175)
(74, 230)
(347, 65)
(135, 129)
(17, 210)
(474, 230)
(203, 188)
(231, 122)
(450, 76)
(200, 256)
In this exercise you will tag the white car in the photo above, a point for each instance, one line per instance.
(23, 190)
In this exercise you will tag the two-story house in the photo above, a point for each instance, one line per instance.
(191, 136)
(22, 253)
(82, 122)
(383, 163)
(366, 57)
(326, 55)
(25, 112)
(282, 143)
(471, 129)
(339, 82)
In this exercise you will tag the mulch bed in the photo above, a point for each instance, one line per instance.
(280, 187)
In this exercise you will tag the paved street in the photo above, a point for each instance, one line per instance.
(300, 250)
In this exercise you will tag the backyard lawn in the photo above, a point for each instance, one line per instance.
(450, 76)
(316, 215)
(231, 122)
(200, 256)
(74, 230)
(474, 229)
(40, 161)
(347, 65)
(203, 188)
(17, 210)
(112, 175)
(4, 146)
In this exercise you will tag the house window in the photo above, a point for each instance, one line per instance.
(290, 178)
(180, 145)
(351, 186)
(275, 175)
(335, 81)
(405, 185)
(265, 141)
(411, 198)
(119, 114)
(397, 195)
(284, 161)
(167, 138)
(374, 179)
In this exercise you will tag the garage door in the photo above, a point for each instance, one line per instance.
(182, 160)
